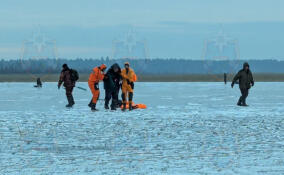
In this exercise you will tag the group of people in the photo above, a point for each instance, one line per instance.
(114, 79)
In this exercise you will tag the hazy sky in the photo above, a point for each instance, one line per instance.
(170, 28)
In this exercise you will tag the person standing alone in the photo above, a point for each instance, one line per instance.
(68, 83)
(245, 82)
(225, 78)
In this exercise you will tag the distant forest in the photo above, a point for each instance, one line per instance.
(141, 66)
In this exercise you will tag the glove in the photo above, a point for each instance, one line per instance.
(96, 85)
(252, 83)
(232, 85)
(128, 82)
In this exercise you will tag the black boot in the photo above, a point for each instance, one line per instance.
(106, 103)
(113, 107)
(123, 95)
(130, 106)
(91, 103)
(69, 105)
(93, 108)
(124, 107)
(119, 104)
(240, 102)
(113, 104)
(244, 103)
(130, 97)
(72, 100)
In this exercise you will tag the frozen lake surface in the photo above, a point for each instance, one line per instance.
(188, 128)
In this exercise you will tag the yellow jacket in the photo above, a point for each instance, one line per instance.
(131, 76)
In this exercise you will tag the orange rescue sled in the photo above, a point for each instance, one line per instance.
(135, 106)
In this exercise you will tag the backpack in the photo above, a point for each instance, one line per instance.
(74, 75)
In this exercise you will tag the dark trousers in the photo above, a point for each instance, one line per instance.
(244, 96)
(69, 90)
(130, 97)
(111, 94)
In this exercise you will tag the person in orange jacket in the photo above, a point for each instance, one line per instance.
(128, 79)
(95, 77)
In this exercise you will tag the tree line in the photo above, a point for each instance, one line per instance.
(141, 66)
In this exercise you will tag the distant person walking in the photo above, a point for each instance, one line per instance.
(225, 78)
(245, 79)
(128, 79)
(68, 83)
(112, 85)
(95, 77)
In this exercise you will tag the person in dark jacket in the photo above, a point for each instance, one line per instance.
(65, 78)
(225, 78)
(245, 79)
(38, 83)
(112, 86)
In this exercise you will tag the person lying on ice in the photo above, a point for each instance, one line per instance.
(245, 82)
(112, 86)
(65, 77)
(95, 77)
(134, 106)
(128, 79)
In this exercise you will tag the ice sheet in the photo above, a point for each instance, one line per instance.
(188, 128)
